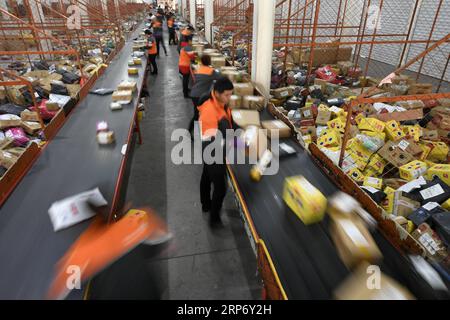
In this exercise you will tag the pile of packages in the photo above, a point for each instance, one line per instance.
(398, 153)
(291, 67)
(224, 42)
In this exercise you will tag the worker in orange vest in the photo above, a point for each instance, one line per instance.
(215, 120)
(186, 35)
(187, 55)
(152, 51)
(201, 83)
(171, 27)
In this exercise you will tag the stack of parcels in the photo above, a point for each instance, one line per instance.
(389, 146)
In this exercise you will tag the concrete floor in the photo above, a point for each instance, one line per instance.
(199, 263)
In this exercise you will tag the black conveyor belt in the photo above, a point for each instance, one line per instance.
(305, 257)
(73, 162)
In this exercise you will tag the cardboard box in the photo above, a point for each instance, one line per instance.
(394, 183)
(245, 118)
(137, 61)
(428, 238)
(9, 123)
(355, 287)
(218, 62)
(403, 206)
(233, 75)
(306, 113)
(310, 130)
(412, 170)
(243, 89)
(31, 127)
(420, 88)
(438, 152)
(439, 170)
(330, 139)
(388, 203)
(373, 182)
(235, 102)
(6, 143)
(356, 175)
(401, 116)
(127, 85)
(393, 131)
(283, 129)
(52, 106)
(133, 71)
(371, 124)
(393, 154)
(414, 132)
(446, 204)
(353, 241)
(253, 102)
(123, 95)
(411, 104)
(337, 124)
(430, 134)
(27, 115)
(323, 117)
(282, 93)
(7, 159)
(105, 137)
(306, 201)
(377, 163)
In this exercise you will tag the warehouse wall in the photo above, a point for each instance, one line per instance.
(395, 19)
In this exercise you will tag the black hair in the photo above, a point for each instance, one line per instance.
(206, 60)
(148, 31)
(223, 84)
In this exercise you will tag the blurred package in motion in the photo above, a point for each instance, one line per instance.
(102, 244)
(369, 283)
(307, 202)
(349, 232)
(70, 211)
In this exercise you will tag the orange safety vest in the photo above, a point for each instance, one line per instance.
(157, 24)
(185, 60)
(204, 70)
(153, 49)
(211, 113)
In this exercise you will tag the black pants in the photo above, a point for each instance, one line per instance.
(186, 85)
(172, 39)
(160, 40)
(215, 175)
(152, 58)
(196, 113)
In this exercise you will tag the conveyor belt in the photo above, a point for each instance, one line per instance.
(73, 162)
(304, 256)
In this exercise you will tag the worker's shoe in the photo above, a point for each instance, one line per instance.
(216, 223)
(206, 208)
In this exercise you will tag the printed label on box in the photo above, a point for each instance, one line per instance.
(431, 205)
(432, 192)
(403, 145)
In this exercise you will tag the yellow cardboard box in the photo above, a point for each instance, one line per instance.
(306, 201)
(380, 135)
(426, 151)
(439, 170)
(415, 132)
(337, 124)
(388, 203)
(373, 182)
(413, 170)
(370, 172)
(356, 175)
(371, 124)
(446, 204)
(438, 152)
(377, 163)
(393, 131)
(133, 71)
(330, 139)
